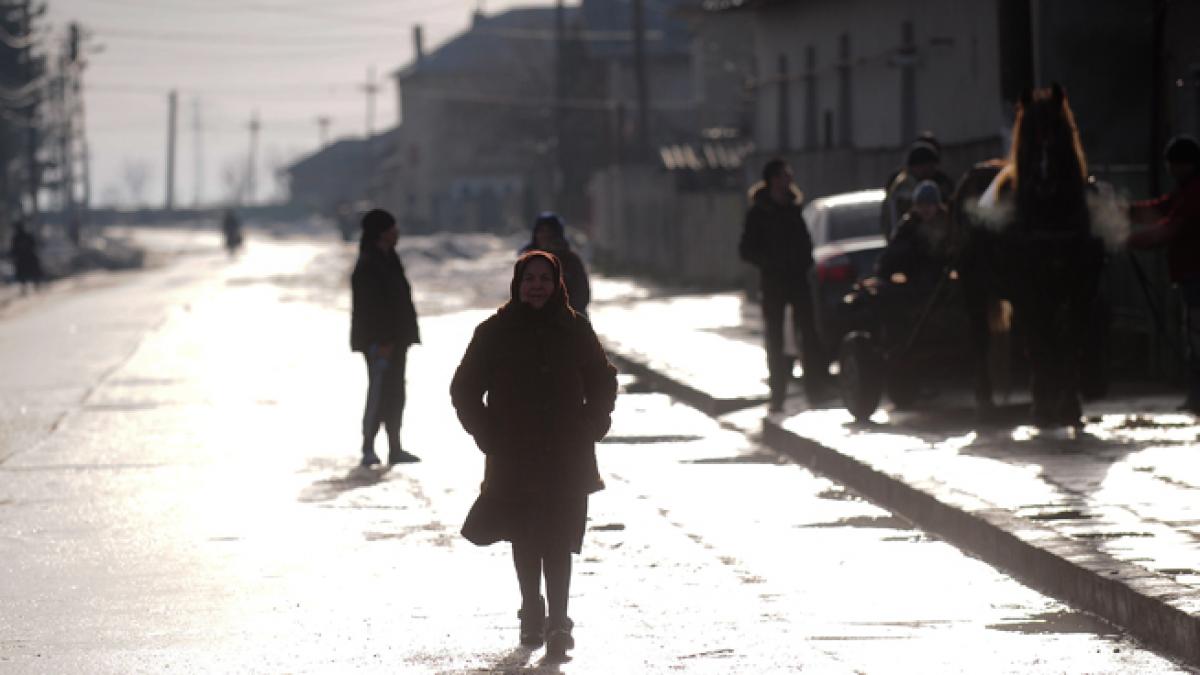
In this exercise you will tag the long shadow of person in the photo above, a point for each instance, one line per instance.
(327, 489)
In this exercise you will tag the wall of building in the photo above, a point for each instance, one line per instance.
(956, 71)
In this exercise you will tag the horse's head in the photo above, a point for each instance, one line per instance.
(1046, 150)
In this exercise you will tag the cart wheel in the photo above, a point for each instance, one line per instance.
(860, 376)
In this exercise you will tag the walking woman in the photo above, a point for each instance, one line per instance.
(550, 392)
(383, 325)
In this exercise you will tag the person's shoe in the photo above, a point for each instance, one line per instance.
(399, 456)
(369, 459)
(533, 624)
(558, 638)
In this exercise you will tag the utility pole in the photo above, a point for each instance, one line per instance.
(197, 153)
(560, 84)
(639, 73)
(322, 131)
(254, 126)
(32, 136)
(172, 109)
(371, 88)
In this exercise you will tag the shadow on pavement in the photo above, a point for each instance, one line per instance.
(518, 661)
(331, 488)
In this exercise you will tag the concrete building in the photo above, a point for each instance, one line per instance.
(844, 85)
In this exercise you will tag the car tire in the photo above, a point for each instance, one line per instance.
(860, 375)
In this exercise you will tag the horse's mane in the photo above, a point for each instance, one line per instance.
(1046, 110)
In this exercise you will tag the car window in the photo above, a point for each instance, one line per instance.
(853, 220)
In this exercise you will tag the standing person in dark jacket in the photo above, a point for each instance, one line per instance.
(549, 393)
(383, 324)
(26, 262)
(549, 234)
(775, 239)
(1173, 221)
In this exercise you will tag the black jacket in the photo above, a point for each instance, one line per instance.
(382, 310)
(550, 390)
(775, 239)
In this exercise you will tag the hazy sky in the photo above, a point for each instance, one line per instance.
(290, 60)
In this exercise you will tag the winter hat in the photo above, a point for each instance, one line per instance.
(1183, 148)
(922, 152)
(553, 221)
(927, 192)
(374, 223)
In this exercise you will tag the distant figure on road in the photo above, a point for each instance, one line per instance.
(550, 392)
(1174, 222)
(775, 239)
(383, 324)
(231, 227)
(549, 234)
(26, 261)
(922, 163)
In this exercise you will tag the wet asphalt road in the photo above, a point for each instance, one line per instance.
(178, 493)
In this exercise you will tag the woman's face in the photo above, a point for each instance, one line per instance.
(537, 283)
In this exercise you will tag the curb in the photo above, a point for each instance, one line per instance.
(1153, 608)
(700, 400)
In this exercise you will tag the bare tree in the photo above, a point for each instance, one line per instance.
(136, 173)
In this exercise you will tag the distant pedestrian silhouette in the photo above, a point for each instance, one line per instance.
(231, 227)
(27, 263)
(775, 239)
(550, 234)
(549, 392)
(383, 324)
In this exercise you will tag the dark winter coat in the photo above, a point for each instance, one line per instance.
(550, 391)
(919, 250)
(1176, 226)
(382, 310)
(775, 239)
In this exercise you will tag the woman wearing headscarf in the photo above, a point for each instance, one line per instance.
(550, 390)
(383, 324)
(550, 234)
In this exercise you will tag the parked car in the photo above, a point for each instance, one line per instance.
(846, 243)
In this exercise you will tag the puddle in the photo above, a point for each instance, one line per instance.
(1073, 514)
(1053, 622)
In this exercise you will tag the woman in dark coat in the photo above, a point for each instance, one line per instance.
(550, 391)
(383, 324)
(550, 234)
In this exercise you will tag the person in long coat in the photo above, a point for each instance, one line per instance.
(550, 391)
(383, 325)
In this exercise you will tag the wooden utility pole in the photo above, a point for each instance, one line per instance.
(172, 117)
(197, 153)
(251, 159)
(560, 84)
(639, 73)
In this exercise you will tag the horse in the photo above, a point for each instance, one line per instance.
(1031, 242)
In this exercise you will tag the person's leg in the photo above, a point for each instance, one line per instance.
(1191, 337)
(778, 372)
(394, 397)
(527, 560)
(557, 566)
(558, 590)
(812, 352)
(373, 409)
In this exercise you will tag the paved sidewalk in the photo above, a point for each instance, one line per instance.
(1108, 521)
